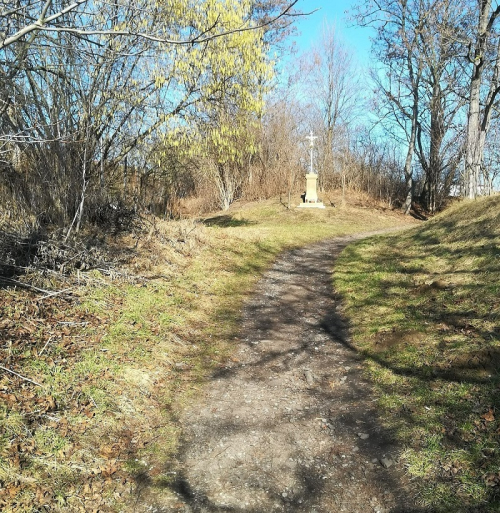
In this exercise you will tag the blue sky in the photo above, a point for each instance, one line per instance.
(333, 12)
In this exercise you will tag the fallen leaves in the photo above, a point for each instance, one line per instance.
(45, 424)
(8, 399)
(489, 416)
(43, 496)
(110, 451)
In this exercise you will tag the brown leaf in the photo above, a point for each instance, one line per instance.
(10, 399)
(46, 404)
(43, 496)
(109, 470)
(109, 451)
(488, 416)
(14, 451)
(51, 403)
(63, 427)
(13, 490)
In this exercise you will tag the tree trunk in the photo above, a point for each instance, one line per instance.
(409, 157)
(476, 131)
(473, 155)
(437, 135)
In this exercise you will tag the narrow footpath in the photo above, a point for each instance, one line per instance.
(291, 424)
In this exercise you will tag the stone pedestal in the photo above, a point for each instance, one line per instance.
(311, 200)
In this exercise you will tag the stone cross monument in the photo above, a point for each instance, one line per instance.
(311, 198)
(311, 138)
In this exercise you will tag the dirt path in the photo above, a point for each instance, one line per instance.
(291, 425)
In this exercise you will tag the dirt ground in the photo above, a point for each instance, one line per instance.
(291, 425)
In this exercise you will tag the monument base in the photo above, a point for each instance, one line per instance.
(311, 197)
(318, 204)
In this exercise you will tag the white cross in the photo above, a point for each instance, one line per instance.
(311, 138)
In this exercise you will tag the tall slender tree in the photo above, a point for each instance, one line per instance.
(483, 41)
(396, 46)
(334, 92)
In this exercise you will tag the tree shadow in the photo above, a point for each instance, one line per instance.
(227, 221)
(446, 347)
(290, 325)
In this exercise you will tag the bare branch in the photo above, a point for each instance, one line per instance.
(41, 24)
(20, 376)
(17, 283)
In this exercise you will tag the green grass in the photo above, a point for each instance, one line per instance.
(424, 310)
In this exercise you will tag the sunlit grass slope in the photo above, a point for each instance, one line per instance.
(425, 311)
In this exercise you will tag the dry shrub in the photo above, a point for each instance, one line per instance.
(206, 198)
(114, 217)
(197, 205)
(167, 246)
(354, 198)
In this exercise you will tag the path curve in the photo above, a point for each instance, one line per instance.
(290, 425)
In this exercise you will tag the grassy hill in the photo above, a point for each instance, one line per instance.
(424, 308)
(98, 359)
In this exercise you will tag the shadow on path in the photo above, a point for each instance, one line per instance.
(290, 425)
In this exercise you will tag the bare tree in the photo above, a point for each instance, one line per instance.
(420, 81)
(87, 87)
(334, 91)
(398, 86)
(20, 20)
(484, 86)
(441, 93)
(281, 169)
